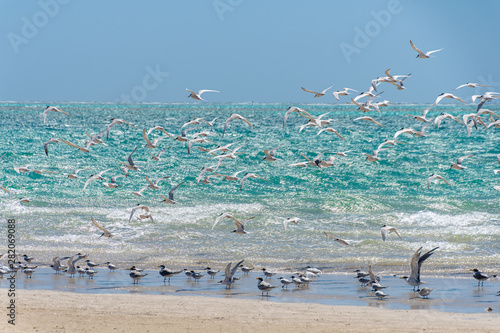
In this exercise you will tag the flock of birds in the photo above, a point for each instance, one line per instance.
(299, 279)
(365, 102)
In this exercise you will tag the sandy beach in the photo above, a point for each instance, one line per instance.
(52, 311)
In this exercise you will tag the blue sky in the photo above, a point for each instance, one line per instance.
(249, 50)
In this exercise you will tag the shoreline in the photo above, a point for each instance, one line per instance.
(53, 311)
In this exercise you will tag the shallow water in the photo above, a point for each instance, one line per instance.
(351, 200)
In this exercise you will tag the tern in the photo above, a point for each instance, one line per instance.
(46, 144)
(317, 94)
(366, 118)
(442, 116)
(435, 176)
(136, 275)
(343, 92)
(197, 96)
(151, 144)
(480, 276)
(424, 292)
(387, 229)
(233, 117)
(112, 183)
(114, 122)
(170, 199)
(415, 265)
(111, 267)
(53, 109)
(232, 177)
(458, 165)
(294, 220)
(139, 193)
(448, 95)
(159, 128)
(72, 270)
(249, 175)
(167, 273)
(94, 177)
(331, 130)
(270, 153)
(105, 233)
(374, 156)
(229, 274)
(6, 190)
(131, 165)
(284, 282)
(139, 206)
(195, 121)
(154, 185)
(421, 54)
(340, 241)
(298, 110)
(74, 175)
(82, 149)
(264, 286)
(380, 295)
(471, 85)
(57, 266)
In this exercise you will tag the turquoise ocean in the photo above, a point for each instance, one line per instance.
(351, 199)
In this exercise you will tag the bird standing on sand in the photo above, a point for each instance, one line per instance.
(136, 275)
(480, 276)
(167, 273)
(415, 265)
(264, 286)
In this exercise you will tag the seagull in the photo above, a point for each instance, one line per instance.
(270, 153)
(136, 275)
(229, 274)
(249, 175)
(154, 185)
(197, 95)
(112, 183)
(317, 94)
(471, 85)
(53, 109)
(387, 229)
(340, 241)
(424, 292)
(167, 273)
(170, 199)
(233, 117)
(480, 276)
(369, 119)
(294, 220)
(330, 130)
(94, 177)
(131, 165)
(265, 286)
(416, 263)
(435, 176)
(105, 233)
(343, 92)
(421, 54)
(458, 165)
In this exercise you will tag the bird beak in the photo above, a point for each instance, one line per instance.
(470, 270)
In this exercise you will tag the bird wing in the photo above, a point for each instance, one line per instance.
(415, 48)
(206, 90)
(132, 213)
(414, 265)
(309, 91)
(235, 268)
(240, 227)
(99, 226)
(149, 181)
(70, 144)
(461, 159)
(145, 136)
(171, 192)
(424, 257)
(130, 157)
(246, 121)
(430, 52)
(227, 272)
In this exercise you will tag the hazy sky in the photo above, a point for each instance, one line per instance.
(250, 50)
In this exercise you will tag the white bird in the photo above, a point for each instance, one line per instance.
(53, 109)
(380, 295)
(299, 111)
(458, 165)
(442, 116)
(387, 229)
(435, 176)
(240, 226)
(157, 156)
(233, 117)
(154, 185)
(195, 121)
(94, 177)
(249, 175)
(90, 273)
(471, 85)
(486, 97)
(112, 183)
(232, 177)
(159, 128)
(415, 265)
(317, 94)
(366, 118)
(448, 95)
(74, 174)
(374, 156)
(22, 169)
(285, 282)
(151, 144)
(57, 266)
(170, 199)
(115, 121)
(82, 149)
(46, 144)
(105, 233)
(264, 286)
(421, 54)
(424, 292)
(389, 142)
(340, 241)
(331, 130)
(72, 270)
(294, 220)
(343, 92)
(197, 96)
(229, 274)
(136, 275)
(131, 165)
(139, 193)
(167, 273)
(270, 153)
(139, 206)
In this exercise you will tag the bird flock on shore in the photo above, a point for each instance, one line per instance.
(204, 140)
